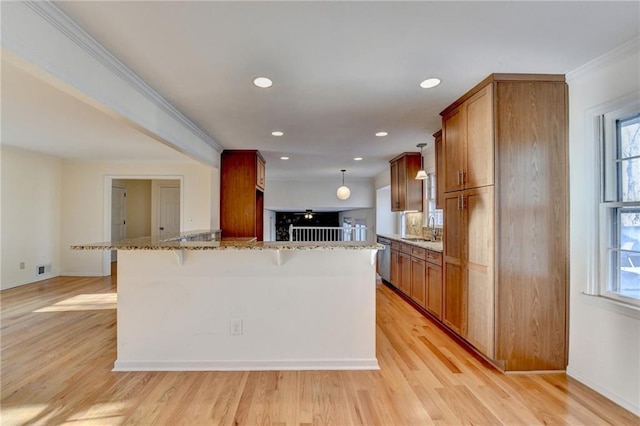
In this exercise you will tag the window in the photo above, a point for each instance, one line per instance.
(620, 206)
(431, 200)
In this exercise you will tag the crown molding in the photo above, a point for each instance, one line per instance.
(88, 44)
(629, 47)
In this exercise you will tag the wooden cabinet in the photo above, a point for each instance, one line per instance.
(419, 281)
(439, 152)
(405, 273)
(406, 192)
(505, 260)
(468, 152)
(260, 172)
(469, 289)
(242, 193)
(434, 290)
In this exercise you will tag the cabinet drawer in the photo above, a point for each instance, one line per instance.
(434, 257)
(396, 245)
(406, 248)
(419, 252)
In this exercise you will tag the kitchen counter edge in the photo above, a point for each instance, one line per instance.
(429, 245)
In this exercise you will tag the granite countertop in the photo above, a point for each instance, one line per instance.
(202, 240)
(430, 245)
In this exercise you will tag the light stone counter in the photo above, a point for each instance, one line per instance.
(209, 240)
(430, 245)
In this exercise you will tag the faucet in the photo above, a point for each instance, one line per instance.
(432, 225)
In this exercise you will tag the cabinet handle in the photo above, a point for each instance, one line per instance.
(463, 202)
(459, 206)
(464, 177)
(459, 177)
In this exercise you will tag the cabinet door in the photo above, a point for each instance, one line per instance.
(405, 273)
(395, 268)
(454, 314)
(260, 173)
(453, 134)
(395, 189)
(402, 184)
(418, 281)
(434, 290)
(479, 139)
(439, 151)
(479, 207)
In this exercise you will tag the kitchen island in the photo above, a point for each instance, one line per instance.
(195, 303)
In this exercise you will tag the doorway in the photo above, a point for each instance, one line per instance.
(118, 216)
(139, 212)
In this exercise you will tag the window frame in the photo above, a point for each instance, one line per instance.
(611, 206)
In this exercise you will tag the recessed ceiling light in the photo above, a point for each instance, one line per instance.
(277, 133)
(357, 159)
(263, 82)
(284, 158)
(429, 83)
(381, 134)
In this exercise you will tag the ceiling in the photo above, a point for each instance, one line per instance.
(342, 71)
(68, 128)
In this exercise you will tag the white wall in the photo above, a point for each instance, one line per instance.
(301, 194)
(368, 215)
(269, 225)
(386, 220)
(31, 194)
(604, 338)
(83, 205)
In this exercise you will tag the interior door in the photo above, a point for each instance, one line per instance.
(169, 218)
(118, 217)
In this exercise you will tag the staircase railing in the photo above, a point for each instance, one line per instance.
(329, 233)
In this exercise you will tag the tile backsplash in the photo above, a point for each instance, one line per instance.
(413, 223)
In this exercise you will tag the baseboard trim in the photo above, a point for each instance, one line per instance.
(254, 365)
(627, 405)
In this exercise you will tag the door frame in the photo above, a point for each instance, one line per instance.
(108, 182)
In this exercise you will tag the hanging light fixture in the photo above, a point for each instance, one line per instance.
(422, 174)
(308, 214)
(343, 192)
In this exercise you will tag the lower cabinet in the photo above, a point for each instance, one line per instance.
(419, 281)
(434, 289)
(417, 272)
(405, 273)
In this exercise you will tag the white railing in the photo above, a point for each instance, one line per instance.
(328, 233)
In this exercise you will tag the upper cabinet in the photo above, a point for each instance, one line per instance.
(260, 171)
(406, 192)
(468, 129)
(242, 183)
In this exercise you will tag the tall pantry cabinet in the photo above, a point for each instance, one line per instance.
(506, 220)
(242, 184)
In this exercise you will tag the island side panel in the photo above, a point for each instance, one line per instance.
(307, 309)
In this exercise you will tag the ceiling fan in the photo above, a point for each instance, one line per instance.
(308, 214)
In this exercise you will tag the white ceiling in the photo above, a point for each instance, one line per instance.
(38, 117)
(341, 70)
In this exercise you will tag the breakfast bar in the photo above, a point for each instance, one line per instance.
(197, 303)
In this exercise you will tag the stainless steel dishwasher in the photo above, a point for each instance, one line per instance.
(384, 259)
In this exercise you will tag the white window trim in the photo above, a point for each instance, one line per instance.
(597, 244)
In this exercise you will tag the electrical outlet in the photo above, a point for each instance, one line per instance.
(21, 265)
(235, 327)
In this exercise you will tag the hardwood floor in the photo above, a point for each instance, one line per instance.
(59, 345)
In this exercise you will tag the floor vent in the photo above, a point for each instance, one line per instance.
(43, 269)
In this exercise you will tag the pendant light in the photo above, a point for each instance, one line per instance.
(422, 175)
(343, 192)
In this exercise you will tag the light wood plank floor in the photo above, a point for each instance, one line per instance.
(59, 345)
